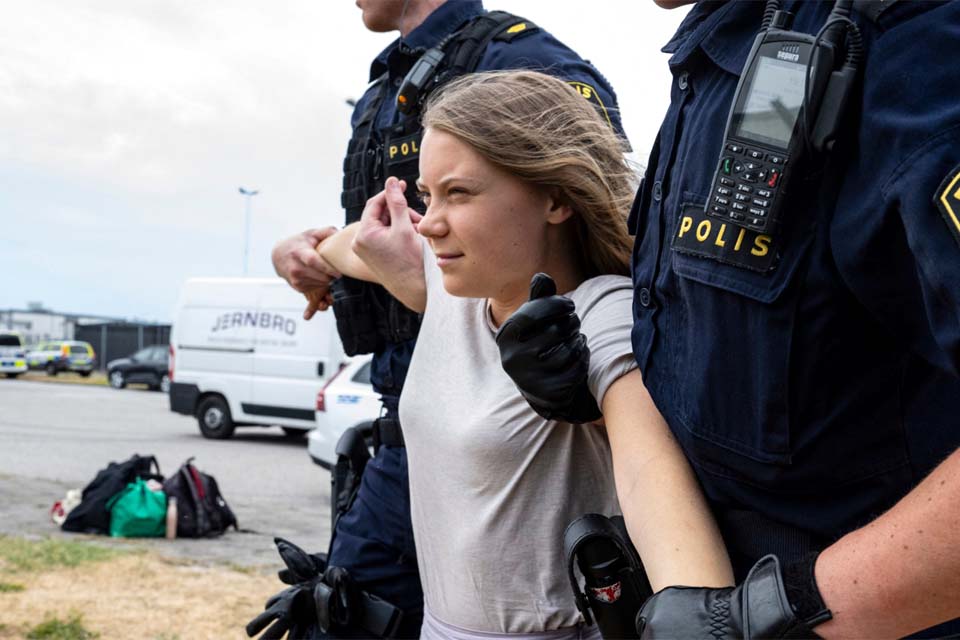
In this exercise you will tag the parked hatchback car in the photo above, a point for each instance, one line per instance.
(347, 400)
(150, 366)
(63, 355)
(13, 360)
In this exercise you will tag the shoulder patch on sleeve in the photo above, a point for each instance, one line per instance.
(590, 94)
(947, 200)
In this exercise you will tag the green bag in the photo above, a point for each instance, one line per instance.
(138, 512)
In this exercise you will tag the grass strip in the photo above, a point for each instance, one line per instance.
(20, 554)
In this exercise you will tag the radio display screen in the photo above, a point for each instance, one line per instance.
(773, 99)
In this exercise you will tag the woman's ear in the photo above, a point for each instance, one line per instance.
(559, 211)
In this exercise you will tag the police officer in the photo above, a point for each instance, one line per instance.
(373, 539)
(817, 398)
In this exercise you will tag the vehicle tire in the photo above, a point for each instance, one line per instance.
(213, 416)
(117, 379)
(164, 386)
(51, 369)
(85, 374)
(294, 432)
(12, 375)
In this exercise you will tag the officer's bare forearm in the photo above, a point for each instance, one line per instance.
(665, 511)
(338, 251)
(408, 286)
(901, 573)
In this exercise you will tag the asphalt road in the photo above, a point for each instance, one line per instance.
(54, 437)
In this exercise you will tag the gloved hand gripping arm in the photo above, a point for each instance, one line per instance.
(544, 353)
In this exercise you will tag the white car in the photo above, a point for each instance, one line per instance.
(13, 357)
(347, 400)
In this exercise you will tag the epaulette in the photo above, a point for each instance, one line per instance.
(518, 29)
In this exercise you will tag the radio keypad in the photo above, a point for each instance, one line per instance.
(752, 183)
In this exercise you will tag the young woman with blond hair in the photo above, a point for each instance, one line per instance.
(521, 175)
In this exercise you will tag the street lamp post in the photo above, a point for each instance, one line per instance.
(248, 196)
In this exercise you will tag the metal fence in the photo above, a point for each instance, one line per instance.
(117, 340)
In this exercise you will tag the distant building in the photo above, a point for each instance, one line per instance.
(111, 337)
(38, 324)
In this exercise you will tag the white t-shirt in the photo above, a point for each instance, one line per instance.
(492, 484)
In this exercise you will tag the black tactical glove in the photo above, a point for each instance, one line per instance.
(301, 566)
(543, 351)
(290, 611)
(293, 611)
(757, 608)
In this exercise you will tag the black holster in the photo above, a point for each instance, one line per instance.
(341, 605)
(615, 584)
(352, 458)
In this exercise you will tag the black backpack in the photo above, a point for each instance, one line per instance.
(201, 510)
(91, 515)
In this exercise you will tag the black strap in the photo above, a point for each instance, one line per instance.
(872, 9)
(387, 432)
(471, 43)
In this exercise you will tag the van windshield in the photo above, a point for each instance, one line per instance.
(9, 340)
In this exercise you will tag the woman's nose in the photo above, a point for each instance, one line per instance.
(432, 225)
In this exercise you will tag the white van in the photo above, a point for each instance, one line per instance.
(241, 354)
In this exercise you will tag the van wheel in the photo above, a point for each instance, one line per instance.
(51, 369)
(293, 432)
(213, 415)
(85, 374)
(12, 375)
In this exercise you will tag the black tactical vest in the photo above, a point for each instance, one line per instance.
(367, 316)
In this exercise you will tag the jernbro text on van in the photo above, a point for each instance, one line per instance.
(263, 320)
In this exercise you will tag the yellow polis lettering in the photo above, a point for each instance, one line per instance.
(703, 230)
(743, 232)
(761, 246)
(404, 149)
(719, 241)
(685, 225)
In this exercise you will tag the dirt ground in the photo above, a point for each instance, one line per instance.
(139, 596)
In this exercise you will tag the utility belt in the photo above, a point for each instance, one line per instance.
(749, 535)
(368, 317)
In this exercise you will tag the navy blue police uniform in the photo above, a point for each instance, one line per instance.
(811, 375)
(373, 540)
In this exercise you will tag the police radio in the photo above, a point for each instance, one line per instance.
(788, 106)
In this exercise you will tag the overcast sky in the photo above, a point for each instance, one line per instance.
(127, 126)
